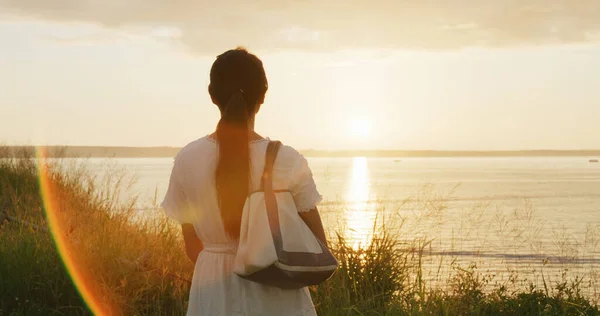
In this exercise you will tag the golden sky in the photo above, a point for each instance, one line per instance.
(391, 75)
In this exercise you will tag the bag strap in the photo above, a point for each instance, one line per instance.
(266, 186)
(273, 215)
(266, 182)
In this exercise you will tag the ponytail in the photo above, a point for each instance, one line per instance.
(233, 167)
(238, 85)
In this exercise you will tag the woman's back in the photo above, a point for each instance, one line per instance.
(192, 194)
(192, 198)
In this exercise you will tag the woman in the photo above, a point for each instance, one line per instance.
(209, 183)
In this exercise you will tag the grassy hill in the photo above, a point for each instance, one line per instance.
(79, 251)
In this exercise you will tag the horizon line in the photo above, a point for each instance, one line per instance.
(308, 149)
(170, 151)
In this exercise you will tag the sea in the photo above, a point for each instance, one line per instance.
(537, 218)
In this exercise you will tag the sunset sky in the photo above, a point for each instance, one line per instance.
(421, 74)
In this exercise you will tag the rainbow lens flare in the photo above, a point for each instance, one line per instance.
(82, 278)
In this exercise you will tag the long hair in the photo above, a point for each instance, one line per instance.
(238, 85)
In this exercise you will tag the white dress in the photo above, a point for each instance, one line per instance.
(192, 198)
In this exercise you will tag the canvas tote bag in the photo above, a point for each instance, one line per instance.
(276, 247)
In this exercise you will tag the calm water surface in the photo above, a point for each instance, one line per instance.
(524, 214)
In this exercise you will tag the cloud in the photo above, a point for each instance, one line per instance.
(317, 25)
(88, 39)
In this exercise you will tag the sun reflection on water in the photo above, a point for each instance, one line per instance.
(359, 218)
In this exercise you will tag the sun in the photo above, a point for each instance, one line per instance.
(359, 128)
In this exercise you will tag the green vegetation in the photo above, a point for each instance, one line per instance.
(132, 267)
(140, 268)
(380, 279)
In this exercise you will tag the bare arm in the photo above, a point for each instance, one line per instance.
(193, 244)
(313, 221)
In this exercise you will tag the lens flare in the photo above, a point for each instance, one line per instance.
(82, 279)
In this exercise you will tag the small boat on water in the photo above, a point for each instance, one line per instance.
(594, 160)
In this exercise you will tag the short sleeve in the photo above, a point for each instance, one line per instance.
(303, 187)
(175, 203)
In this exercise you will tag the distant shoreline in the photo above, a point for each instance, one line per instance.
(167, 152)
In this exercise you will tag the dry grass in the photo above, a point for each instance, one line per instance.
(132, 267)
(140, 268)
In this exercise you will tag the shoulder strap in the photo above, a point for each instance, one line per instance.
(266, 180)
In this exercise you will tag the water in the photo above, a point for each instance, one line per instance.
(530, 215)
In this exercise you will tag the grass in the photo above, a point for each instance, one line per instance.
(140, 268)
(133, 268)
